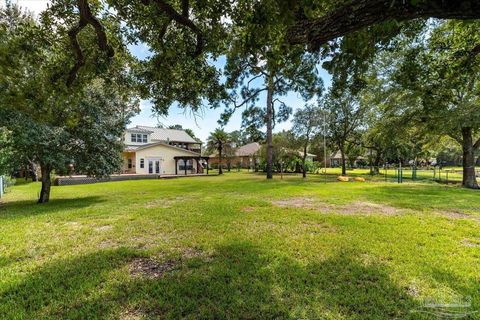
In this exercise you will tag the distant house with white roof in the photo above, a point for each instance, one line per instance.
(160, 151)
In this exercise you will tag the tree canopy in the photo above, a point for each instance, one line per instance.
(53, 122)
(270, 48)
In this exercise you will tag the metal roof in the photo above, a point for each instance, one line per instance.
(162, 134)
(139, 130)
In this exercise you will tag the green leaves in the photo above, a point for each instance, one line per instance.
(7, 157)
(53, 124)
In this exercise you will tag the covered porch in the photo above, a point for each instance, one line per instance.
(129, 162)
(184, 164)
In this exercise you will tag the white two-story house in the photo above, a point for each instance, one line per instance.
(159, 151)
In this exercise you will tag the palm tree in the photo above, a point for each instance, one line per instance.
(218, 140)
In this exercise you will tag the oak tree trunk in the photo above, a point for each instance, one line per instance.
(344, 168)
(376, 164)
(46, 184)
(33, 168)
(270, 128)
(304, 160)
(469, 177)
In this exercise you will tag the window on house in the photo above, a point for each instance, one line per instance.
(189, 165)
(129, 163)
(142, 163)
(138, 137)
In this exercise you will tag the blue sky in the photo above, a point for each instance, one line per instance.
(201, 124)
(205, 123)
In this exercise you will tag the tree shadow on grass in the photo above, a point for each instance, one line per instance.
(63, 288)
(238, 281)
(24, 208)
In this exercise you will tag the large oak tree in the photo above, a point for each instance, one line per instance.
(55, 122)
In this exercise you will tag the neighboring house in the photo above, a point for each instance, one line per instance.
(150, 150)
(336, 160)
(310, 157)
(245, 156)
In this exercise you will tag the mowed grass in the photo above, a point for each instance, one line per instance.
(238, 246)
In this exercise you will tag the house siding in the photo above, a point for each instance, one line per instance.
(166, 155)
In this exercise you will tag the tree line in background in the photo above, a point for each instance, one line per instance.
(69, 84)
(416, 99)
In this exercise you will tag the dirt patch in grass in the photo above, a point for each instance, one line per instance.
(107, 244)
(159, 203)
(131, 315)
(413, 290)
(150, 268)
(472, 243)
(369, 207)
(301, 202)
(166, 203)
(358, 207)
(191, 253)
(459, 215)
(73, 224)
(104, 228)
(153, 268)
(248, 209)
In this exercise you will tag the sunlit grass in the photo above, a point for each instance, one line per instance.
(239, 246)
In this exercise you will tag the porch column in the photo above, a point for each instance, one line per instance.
(198, 165)
(185, 162)
(176, 166)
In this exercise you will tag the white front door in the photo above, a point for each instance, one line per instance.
(153, 166)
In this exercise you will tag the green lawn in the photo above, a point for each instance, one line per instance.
(452, 174)
(238, 246)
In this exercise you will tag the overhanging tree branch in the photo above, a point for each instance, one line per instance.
(251, 96)
(253, 79)
(476, 145)
(79, 56)
(185, 8)
(86, 18)
(359, 14)
(181, 18)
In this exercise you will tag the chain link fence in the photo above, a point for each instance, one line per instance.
(410, 174)
(397, 174)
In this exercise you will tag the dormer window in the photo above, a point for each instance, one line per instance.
(138, 137)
